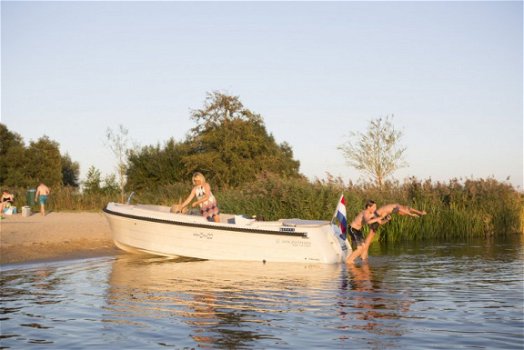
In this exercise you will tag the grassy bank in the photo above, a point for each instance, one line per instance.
(456, 210)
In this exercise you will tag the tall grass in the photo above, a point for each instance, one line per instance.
(65, 199)
(271, 198)
(456, 210)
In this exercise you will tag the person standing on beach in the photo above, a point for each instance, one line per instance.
(42, 191)
(385, 212)
(205, 199)
(366, 216)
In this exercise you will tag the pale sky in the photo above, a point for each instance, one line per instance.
(451, 73)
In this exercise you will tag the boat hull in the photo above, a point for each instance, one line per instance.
(154, 230)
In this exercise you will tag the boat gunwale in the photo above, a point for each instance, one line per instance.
(210, 225)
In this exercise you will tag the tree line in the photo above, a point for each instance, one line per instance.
(25, 166)
(229, 144)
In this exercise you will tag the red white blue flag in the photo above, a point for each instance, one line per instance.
(340, 215)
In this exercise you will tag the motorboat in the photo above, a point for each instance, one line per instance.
(157, 230)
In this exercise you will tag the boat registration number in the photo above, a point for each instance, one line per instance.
(208, 235)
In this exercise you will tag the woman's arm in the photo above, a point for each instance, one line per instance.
(189, 198)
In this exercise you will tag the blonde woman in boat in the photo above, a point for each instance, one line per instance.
(205, 199)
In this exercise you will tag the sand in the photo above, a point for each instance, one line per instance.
(56, 236)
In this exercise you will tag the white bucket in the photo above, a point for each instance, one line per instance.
(26, 211)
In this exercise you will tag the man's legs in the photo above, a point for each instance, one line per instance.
(418, 212)
(42, 206)
(354, 254)
(358, 240)
(367, 243)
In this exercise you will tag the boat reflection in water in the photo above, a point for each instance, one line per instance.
(216, 303)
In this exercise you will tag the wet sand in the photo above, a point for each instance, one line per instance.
(56, 236)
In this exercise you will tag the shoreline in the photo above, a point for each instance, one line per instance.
(55, 236)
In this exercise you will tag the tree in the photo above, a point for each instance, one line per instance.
(70, 171)
(92, 182)
(230, 144)
(111, 186)
(45, 162)
(154, 166)
(40, 161)
(377, 151)
(218, 109)
(118, 142)
(13, 162)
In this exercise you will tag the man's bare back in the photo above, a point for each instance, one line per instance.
(42, 190)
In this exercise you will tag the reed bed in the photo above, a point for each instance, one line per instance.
(456, 210)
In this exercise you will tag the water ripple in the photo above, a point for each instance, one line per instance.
(435, 297)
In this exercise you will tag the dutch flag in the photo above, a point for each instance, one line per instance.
(340, 215)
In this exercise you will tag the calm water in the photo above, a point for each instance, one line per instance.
(437, 296)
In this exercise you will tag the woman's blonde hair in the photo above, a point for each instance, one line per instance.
(199, 175)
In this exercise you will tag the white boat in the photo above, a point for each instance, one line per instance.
(154, 229)
(148, 276)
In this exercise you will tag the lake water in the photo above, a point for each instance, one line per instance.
(432, 296)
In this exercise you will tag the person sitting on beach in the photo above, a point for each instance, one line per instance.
(205, 199)
(366, 216)
(385, 213)
(6, 201)
(42, 192)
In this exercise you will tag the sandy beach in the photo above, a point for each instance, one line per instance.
(56, 236)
